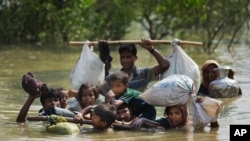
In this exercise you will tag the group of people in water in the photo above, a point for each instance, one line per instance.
(121, 90)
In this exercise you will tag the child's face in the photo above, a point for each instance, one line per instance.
(96, 122)
(49, 102)
(118, 87)
(88, 97)
(175, 116)
(123, 114)
(63, 99)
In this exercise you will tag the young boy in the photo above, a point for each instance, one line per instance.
(119, 85)
(126, 100)
(48, 100)
(102, 116)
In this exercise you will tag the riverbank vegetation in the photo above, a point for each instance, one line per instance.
(60, 21)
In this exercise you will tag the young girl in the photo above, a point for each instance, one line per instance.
(86, 98)
(174, 117)
(63, 97)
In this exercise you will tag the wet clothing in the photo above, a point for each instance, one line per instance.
(141, 109)
(128, 95)
(163, 122)
(203, 91)
(141, 77)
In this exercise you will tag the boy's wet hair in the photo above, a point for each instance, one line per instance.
(119, 75)
(123, 106)
(52, 93)
(128, 47)
(107, 113)
(87, 86)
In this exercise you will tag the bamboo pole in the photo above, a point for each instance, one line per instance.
(94, 43)
(46, 118)
(116, 126)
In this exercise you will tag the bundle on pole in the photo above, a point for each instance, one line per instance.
(95, 43)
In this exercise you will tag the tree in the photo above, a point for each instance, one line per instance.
(109, 19)
(224, 22)
(167, 18)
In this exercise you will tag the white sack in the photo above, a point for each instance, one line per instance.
(206, 112)
(212, 107)
(173, 90)
(181, 63)
(88, 68)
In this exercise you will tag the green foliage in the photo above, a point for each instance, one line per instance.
(59, 21)
(108, 20)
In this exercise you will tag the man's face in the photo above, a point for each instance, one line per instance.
(127, 60)
(123, 114)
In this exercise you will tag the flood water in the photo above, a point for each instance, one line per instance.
(53, 68)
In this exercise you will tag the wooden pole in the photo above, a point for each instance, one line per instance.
(116, 126)
(46, 118)
(94, 43)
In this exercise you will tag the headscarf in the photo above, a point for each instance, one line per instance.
(204, 67)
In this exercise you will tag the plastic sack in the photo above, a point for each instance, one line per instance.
(63, 128)
(212, 107)
(62, 112)
(88, 68)
(181, 63)
(173, 90)
(206, 112)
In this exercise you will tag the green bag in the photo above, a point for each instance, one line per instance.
(63, 128)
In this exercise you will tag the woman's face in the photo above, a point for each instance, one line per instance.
(175, 116)
(88, 98)
(209, 74)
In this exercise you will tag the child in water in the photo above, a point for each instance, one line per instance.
(63, 97)
(103, 116)
(86, 98)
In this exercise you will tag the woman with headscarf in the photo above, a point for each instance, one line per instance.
(174, 117)
(208, 75)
